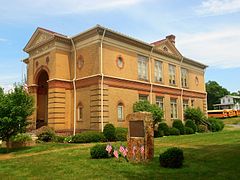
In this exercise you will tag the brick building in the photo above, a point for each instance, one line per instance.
(93, 78)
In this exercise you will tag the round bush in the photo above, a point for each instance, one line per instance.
(45, 134)
(174, 131)
(172, 158)
(99, 151)
(189, 130)
(121, 134)
(59, 139)
(163, 128)
(202, 128)
(88, 137)
(189, 123)
(215, 124)
(109, 132)
(179, 125)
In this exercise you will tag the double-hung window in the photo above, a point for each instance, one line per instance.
(184, 77)
(172, 74)
(142, 67)
(158, 71)
(173, 104)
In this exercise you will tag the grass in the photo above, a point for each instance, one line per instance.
(234, 120)
(207, 156)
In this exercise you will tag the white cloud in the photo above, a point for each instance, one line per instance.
(218, 48)
(28, 8)
(218, 7)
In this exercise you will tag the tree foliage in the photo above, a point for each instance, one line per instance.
(214, 93)
(15, 107)
(156, 111)
(195, 114)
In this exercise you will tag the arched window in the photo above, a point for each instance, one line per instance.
(80, 112)
(120, 112)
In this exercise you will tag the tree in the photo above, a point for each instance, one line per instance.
(214, 93)
(156, 111)
(196, 115)
(15, 107)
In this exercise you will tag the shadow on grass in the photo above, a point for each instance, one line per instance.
(205, 162)
(5, 150)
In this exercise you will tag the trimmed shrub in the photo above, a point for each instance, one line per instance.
(59, 139)
(109, 132)
(121, 134)
(21, 138)
(172, 158)
(67, 139)
(189, 123)
(45, 134)
(163, 129)
(189, 130)
(88, 137)
(99, 151)
(215, 124)
(174, 131)
(202, 128)
(179, 125)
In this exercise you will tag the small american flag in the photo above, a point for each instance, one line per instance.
(142, 149)
(125, 152)
(121, 149)
(115, 153)
(109, 148)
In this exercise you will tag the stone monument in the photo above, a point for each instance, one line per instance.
(140, 137)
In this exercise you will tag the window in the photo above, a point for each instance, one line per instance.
(120, 62)
(192, 103)
(142, 67)
(173, 103)
(172, 74)
(143, 97)
(185, 104)
(80, 62)
(80, 112)
(159, 101)
(158, 71)
(184, 77)
(120, 112)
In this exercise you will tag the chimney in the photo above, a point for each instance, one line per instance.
(171, 38)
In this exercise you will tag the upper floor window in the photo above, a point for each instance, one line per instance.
(158, 71)
(143, 97)
(184, 77)
(172, 74)
(142, 67)
(173, 104)
(120, 112)
(120, 62)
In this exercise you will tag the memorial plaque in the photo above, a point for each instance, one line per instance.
(136, 128)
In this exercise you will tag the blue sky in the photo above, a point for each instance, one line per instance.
(206, 30)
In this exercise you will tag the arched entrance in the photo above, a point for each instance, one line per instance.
(42, 99)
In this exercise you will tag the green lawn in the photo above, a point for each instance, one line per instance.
(207, 156)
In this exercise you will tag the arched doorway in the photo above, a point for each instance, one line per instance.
(42, 99)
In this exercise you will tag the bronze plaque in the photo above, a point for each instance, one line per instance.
(136, 128)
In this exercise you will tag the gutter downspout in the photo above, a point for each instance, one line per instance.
(181, 89)
(74, 88)
(102, 76)
(150, 76)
